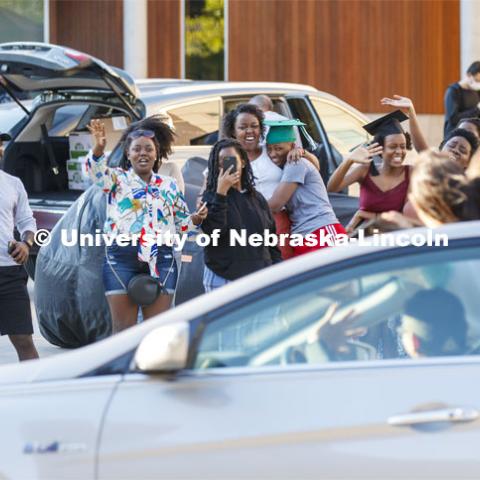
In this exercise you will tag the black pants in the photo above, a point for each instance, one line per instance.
(15, 313)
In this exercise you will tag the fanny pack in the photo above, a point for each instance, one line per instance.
(143, 289)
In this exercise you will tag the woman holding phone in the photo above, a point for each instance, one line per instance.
(234, 204)
(140, 202)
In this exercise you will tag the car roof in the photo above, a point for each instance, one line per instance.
(83, 360)
(176, 91)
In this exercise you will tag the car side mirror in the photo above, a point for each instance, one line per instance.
(164, 349)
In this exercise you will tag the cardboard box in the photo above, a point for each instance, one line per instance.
(79, 144)
(78, 178)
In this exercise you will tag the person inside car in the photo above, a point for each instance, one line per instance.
(234, 204)
(384, 188)
(433, 323)
(301, 190)
(140, 202)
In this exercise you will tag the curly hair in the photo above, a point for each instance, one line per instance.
(163, 140)
(228, 124)
(461, 132)
(439, 188)
(248, 182)
(380, 139)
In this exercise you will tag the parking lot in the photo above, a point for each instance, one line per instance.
(45, 349)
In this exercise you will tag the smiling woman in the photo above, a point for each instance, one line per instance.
(141, 204)
(381, 189)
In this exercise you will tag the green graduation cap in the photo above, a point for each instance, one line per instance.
(281, 131)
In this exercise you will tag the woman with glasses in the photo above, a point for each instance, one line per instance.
(144, 206)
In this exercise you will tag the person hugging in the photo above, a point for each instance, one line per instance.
(301, 191)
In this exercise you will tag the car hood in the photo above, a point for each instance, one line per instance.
(27, 67)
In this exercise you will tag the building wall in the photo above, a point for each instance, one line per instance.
(360, 51)
(164, 38)
(92, 26)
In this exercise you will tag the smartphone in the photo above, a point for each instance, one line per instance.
(11, 247)
(229, 162)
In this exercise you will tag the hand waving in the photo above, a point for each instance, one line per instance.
(97, 130)
(364, 155)
(335, 335)
(398, 102)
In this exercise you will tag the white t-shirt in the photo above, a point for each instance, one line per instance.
(267, 174)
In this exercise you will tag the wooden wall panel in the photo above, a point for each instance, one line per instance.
(164, 37)
(91, 26)
(360, 51)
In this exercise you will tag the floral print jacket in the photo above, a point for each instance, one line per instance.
(135, 207)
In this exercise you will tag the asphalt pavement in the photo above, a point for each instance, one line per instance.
(45, 349)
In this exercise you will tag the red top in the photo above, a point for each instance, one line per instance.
(373, 199)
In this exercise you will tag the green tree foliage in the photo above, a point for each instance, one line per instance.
(204, 42)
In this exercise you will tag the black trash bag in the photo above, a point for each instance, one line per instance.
(190, 279)
(70, 298)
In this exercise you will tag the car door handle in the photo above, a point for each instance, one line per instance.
(452, 415)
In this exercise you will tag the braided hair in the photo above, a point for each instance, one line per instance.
(163, 140)
(248, 182)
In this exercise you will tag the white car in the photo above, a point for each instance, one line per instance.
(240, 383)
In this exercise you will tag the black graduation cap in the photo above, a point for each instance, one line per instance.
(5, 137)
(389, 124)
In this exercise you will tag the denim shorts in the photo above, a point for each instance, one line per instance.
(123, 261)
(211, 280)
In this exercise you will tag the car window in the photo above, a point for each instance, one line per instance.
(66, 119)
(367, 307)
(343, 129)
(301, 110)
(279, 105)
(195, 122)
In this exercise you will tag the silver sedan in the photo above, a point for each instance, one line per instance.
(351, 362)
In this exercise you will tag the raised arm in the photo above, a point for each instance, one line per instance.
(405, 103)
(102, 175)
(343, 177)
